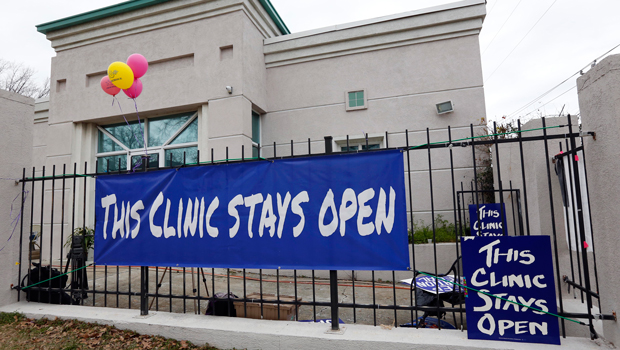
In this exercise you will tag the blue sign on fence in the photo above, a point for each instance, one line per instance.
(344, 211)
(517, 269)
(487, 219)
(434, 285)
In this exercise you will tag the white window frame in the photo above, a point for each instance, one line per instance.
(160, 150)
(373, 139)
(346, 100)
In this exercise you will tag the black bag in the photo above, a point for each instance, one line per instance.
(222, 306)
(43, 273)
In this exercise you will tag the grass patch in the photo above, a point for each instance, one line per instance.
(12, 317)
(20, 333)
(445, 232)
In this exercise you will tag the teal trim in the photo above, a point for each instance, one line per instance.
(132, 5)
(275, 16)
(96, 14)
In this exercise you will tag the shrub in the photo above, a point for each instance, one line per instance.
(444, 231)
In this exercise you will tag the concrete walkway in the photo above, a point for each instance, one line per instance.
(241, 333)
(174, 282)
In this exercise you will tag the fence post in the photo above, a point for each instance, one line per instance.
(333, 274)
(581, 223)
(144, 290)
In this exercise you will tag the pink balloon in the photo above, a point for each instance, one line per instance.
(108, 87)
(138, 64)
(135, 90)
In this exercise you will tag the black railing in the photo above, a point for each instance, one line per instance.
(375, 298)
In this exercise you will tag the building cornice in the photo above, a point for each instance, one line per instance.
(158, 16)
(133, 5)
(443, 22)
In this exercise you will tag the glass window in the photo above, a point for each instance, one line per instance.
(177, 156)
(255, 134)
(190, 134)
(111, 163)
(350, 148)
(153, 161)
(161, 129)
(360, 144)
(371, 146)
(129, 135)
(357, 147)
(107, 145)
(356, 99)
(352, 99)
(255, 127)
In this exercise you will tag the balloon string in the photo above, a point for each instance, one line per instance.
(146, 154)
(15, 220)
(132, 132)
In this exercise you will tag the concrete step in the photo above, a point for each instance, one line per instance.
(242, 333)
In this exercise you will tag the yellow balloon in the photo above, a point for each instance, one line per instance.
(120, 75)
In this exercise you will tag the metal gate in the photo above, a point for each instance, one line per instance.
(449, 168)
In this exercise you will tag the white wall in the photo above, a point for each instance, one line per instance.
(16, 114)
(599, 102)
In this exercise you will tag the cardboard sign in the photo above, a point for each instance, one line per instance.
(518, 269)
(487, 219)
(434, 285)
(339, 212)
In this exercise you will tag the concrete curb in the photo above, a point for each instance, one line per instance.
(240, 333)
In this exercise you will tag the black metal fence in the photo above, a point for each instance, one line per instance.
(450, 170)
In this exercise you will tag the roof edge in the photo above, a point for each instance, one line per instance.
(132, 5)
(96, 14)
(275, 16)
(419, 12)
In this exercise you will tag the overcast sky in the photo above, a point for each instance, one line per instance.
(527, 46)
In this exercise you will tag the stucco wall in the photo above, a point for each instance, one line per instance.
(185, 69)
(406, 62)
(599, 102)
(16, 115)
(403, 85)
(405, 71)
(194, 48)
(410, 62)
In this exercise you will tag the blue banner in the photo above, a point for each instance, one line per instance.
(517, 269)
(343, 212)
(488, 219)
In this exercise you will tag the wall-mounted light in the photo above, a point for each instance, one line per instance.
(229, 89)
(445, 107)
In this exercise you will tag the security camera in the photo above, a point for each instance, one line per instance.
(229, 89)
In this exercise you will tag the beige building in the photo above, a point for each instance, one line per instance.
(228, 74)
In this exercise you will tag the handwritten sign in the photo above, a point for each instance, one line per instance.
(519, 270)
(487, 219)
(429, 284)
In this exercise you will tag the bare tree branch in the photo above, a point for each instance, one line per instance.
(44, 90)
(4, 65)
(16, 77)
